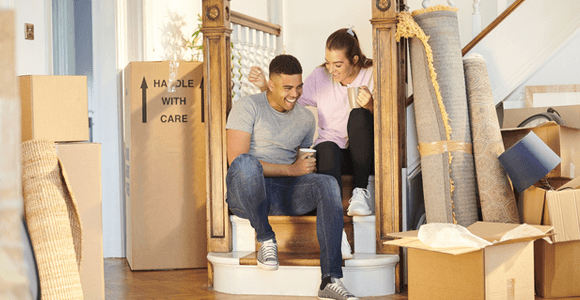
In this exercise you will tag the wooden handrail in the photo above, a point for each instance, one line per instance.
(491, 26)
(251, 22)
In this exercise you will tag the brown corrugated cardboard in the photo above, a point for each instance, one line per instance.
(513, 117)
(562, 140)
(82, 164)
(165, 183)
(557, 268)
(503, 270)
(532, 202)
(564, 208)
(54, 108)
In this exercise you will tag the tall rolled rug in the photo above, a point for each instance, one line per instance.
(441, 114)
(497, 199)
(53, 221)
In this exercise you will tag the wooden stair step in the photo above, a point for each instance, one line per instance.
(297, 234)
(287, 259)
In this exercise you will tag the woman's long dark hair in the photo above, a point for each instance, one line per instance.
(342, 39)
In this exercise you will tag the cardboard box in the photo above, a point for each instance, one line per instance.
(557, 263)
(82, 164)
(532, 202)
(165, 182)
(557, 269)
(513, 117)
(503, 270)
(563, 140)
(564, 214)
(54, 108)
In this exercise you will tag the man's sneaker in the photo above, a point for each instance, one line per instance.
(335, 290)
(345, 247)
(358, 203)
(268, 255)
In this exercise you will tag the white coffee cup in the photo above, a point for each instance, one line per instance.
(312, 152)
(352, 95)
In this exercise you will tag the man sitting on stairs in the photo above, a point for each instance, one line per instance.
(267, 177)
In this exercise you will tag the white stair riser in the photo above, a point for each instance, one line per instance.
(369, 275)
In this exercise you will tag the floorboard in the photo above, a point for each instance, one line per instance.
(122, 283)
(191, 284)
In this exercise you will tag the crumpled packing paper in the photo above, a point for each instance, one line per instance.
(446, 235)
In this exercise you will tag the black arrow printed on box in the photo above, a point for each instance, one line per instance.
(144, 95)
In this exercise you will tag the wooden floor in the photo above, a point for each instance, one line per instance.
(122, 283)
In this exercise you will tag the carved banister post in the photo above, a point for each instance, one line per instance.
(217, 101)
(390, 123)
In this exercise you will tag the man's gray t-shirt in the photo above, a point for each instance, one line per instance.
(275, 135)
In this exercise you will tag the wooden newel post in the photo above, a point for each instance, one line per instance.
(390, 123)
(217, 101)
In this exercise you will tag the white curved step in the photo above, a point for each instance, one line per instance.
(365, 275)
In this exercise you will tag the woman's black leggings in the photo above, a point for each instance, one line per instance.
(358, 158)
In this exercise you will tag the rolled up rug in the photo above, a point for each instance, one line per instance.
(441, 114)
(498, 203)
(53, 221)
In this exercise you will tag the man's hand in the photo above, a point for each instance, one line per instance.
(305, 164)
(258, 79)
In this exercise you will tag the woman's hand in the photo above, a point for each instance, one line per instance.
(365, 98)
(258, 79)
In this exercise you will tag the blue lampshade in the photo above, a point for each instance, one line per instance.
(528, 161)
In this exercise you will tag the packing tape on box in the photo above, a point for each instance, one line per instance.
(173, 67)
(511, 289)
(444, 146)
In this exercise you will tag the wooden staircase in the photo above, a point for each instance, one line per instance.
(236, 272)
(297, 241)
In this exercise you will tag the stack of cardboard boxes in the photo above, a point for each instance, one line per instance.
(56, 108)
(554, 201)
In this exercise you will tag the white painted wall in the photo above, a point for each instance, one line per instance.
(253, 8)
(561, 68)
(168, 25)
(33, 57)
(307, 24)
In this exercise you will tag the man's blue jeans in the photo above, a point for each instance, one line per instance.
(252, 196)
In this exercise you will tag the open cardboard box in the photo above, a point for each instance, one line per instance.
(514, 116)
(532, 202)
(557, 261)
(503, 270)
(563, 140)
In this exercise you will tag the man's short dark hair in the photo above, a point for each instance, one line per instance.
(285, 64)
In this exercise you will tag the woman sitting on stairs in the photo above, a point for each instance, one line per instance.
(345, 142)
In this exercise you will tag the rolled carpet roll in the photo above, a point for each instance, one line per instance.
(53, 221)
(498, 203)
(441, 115)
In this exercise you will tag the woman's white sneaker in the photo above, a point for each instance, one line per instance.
(358, 203)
